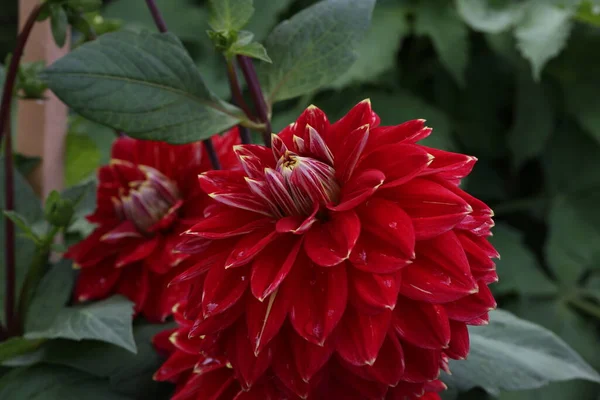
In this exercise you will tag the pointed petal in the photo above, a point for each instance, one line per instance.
(96, 282)
(227, 223)
(358, 189)
(297, 224)
(422, 365)
(222, 289)
(249, 246)
(432, 208)
(137, 252)
(317, 147)
(320, 297)
(126, 229)
(421, 324)
(265, 319)
(216, 323)
(350, 152)
(178, 363)
(459, 344)
(361, 336)
(373, 293)
(388, 222)
(473, 306)
(134, 284)
(407, 132)
(399, 162)
(373, 255)
(271, 267)
(448, 165)
(309, 357)
(314, 117)
(361, 114)
(248, 367)
(211, 386)
(331, 242)
(183, 343)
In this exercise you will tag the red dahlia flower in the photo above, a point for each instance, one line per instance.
(345, 262)
(145, 195)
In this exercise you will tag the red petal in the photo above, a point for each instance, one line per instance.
(432, 208)
(285, 370)
(211, 386)
(350, 152)
(399, 162)
(473, 306)
(137, 252)
(373, 293)
(440, 273)
(248, 367)
(222, 289)
(361, 114)
(216, 323)
(309, 357)
(178, 363)
(263, 390)
(361, 336)
(448, 165)
(195, 266)
(320, 297)
(96, 282)
(134, 284)
(385, 220)
(331, 242)
(249, 246)
(422, 324)
(358, 189)
(265, 319)
(408, 132)
(422, 365)
(161, 342)
(271, 266)
(124, 230)
(227, 223)
(373, 255)
(297, 224)
(183, 343)
(459, 344)
(159, 304)
(365, 389)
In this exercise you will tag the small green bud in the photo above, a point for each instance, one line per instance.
(30, 84)
(58, 211)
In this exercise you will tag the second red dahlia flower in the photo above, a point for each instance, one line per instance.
(145, 197)
(345, 261)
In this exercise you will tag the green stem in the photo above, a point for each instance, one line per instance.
(585, 306)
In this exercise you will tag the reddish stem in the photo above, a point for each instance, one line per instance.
(160, 23)
(257, 96)
(238, 100)
(12, 319)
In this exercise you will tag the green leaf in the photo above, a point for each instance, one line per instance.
(59, 24)
(106, 320)
(229, 15)
(54, 383)
(514, 354)
(518, 269)
(26, 164)
(17, 346)
(128, 373)
(314, 47)
(542, 34)
(28, 206)
(534, 120)
(50, 297)
(145, 84)
(482, 15)
(266, 13)
(377, 51)
(449, 35)
(82, 158)
(574, 234)
(588, 13)
(23, 225)
(253, 49)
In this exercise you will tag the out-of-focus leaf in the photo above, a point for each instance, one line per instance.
(59, 24)
(514, 354)
(252, 49)
(574, 234)
(589, 13)
(265, 16)
(229, 15)
(518, 268)
(377, 52)
(542, 34)
(314, 47)
(449, 34)
(484, 16)
(28, 205)
(534, 120)
(556, 391)
(82, 158)
(144, 84)
(54, 383)
(16, 346)
(25, 164)
(50, 296)
(106, 320)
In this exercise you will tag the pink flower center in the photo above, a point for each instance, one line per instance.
(309, 182)
(147, 202)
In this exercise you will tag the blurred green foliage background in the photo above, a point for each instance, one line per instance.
(514, 83)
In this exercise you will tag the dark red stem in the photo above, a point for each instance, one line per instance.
(11, 318)
(257, 96)
(160, 23)
(238, 100)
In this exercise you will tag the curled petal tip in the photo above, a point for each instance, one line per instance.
(366, 101)
(173, 337)
(228, 365)
(311, 107)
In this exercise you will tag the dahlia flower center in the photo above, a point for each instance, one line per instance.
(309, 182)
(147, 202)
